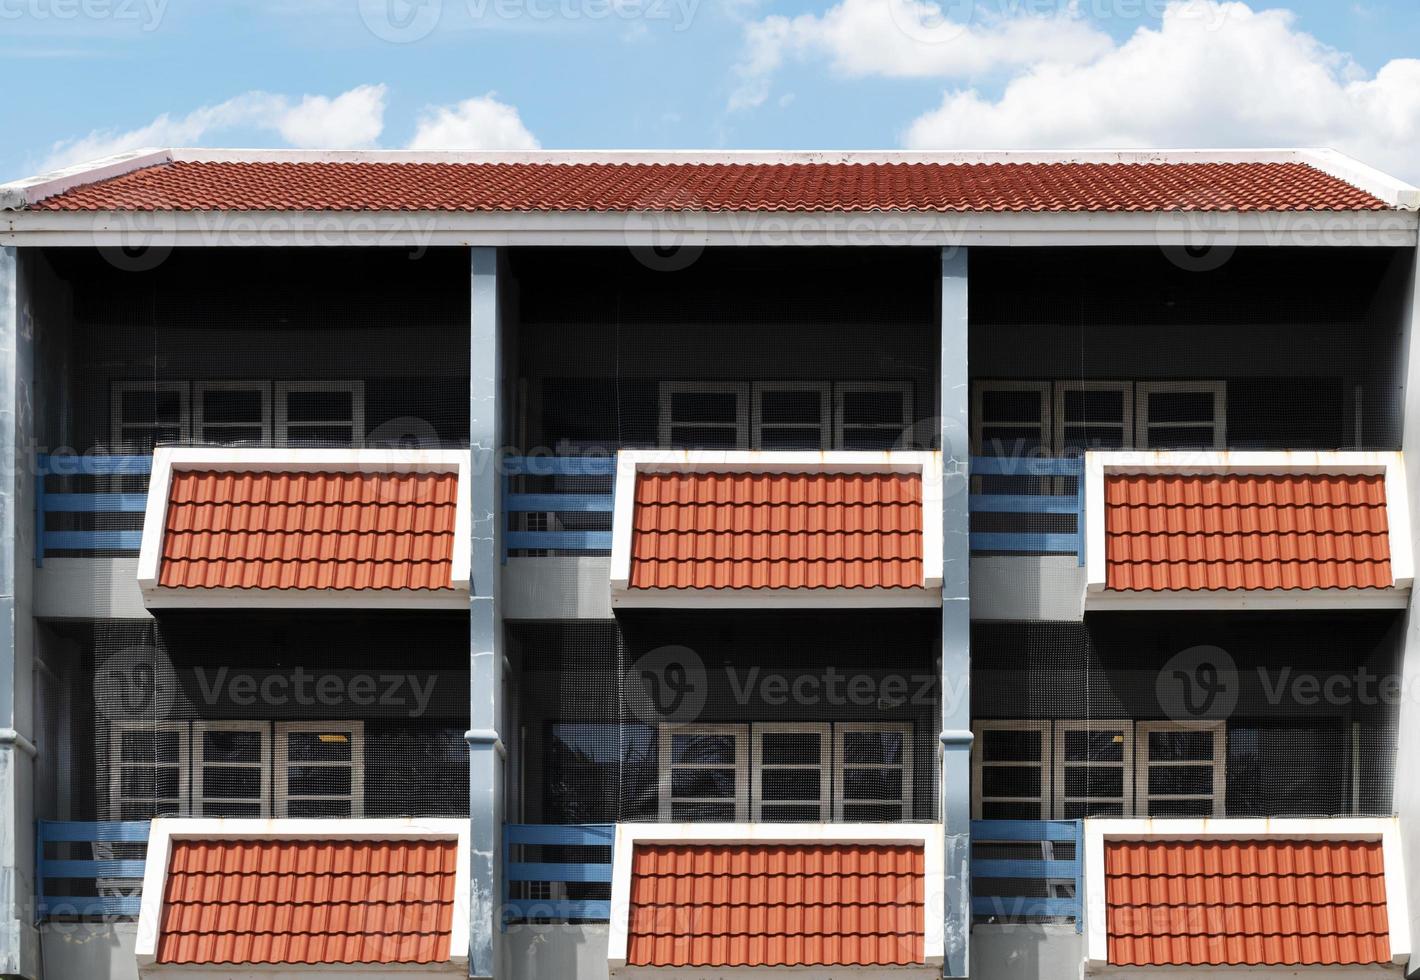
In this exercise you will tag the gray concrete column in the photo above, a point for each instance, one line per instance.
(19, 941)
(956, 612)
(485, 744)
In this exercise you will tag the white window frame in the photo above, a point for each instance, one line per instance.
(979, 390)
(1058, 763)
(117, 729)
(841, 728)
(825, 765)
(200, 424)
(1044, 729)
(284, 389)
(1219, 425)
(281, 764)
(118, 426)
(200, 799)
(1126, 420)
(665, 768)
(1219, 762)
(667, 422)
(841, 388)
(825, 423)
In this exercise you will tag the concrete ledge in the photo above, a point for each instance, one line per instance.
(89, 588)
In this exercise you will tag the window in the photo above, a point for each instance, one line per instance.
(1181, 415)
(871, 415)
(1093, 769)
(1011, 764)
(320, 413)
(319, 769)
(231, 413)
(149, 413)
(791, 770)
(791, 415)
(1093, 415)
(1010, 418)
(697, 415)
(873, 775)
(148, 769)
(704, 773)
(1181, 768)
(231, 774)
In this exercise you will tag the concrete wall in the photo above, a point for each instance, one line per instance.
(555, 952)
(1026, 952)
(89, 950)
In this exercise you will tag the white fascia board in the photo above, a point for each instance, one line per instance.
(1384, 829)
(141, 229)
(1393, 191)
(631, 462)
(28, 190)
(1098, 465)
(170, 458)
(931, 837)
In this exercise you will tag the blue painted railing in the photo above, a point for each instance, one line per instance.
(1034, 542)
(1045, 869)
(47, 503)
(570, 502)
(555, 874)
(90, 871)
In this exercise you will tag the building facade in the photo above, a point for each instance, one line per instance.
(600, 565)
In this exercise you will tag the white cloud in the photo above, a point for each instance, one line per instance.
(480, 123)
(349, 120)
(1212, 74)
(909, 39)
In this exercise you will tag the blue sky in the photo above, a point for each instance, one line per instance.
(95, 76)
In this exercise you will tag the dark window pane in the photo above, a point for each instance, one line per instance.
(693, 812)
(997, 810)
(219, 746)
(704, 406)
(1093, 437)
(1180, 437)
(790, 748)
(783, 814)
(318, 781)
(706, 749)
(1094, 406)
(791, 407)
(703, 782)
(1077, 811)
(873, 812)
(1094, 781)
(1085, 746)
(151, 407)
(789, 784)
(225, 781)
(1001, 440)
(227, 435)
(1180, 808)
(318, 808)
(1180, 746)
(872, 747)
(329, 746)
(1180, 780)
(220, 405)
(704, 437)
(1010, 781)
(230, 809)
(1005, 745)
(869, 439)
(318, 435)
(872, 408)
(1181, 406)
(780, 437)
(1011, 406)
(319, 406)
(872, 784)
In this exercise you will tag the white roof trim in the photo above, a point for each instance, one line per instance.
(1394, 192)
(631, 462)
(930, 836)
(168, 459)
(1210, 462)
(164, 830)
(1097, 831)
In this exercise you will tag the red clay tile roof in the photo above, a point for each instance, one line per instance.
(1166, 532)
(308, 902)
(300, 530)
(928, 187)
(776, 530)
(1246, 903)
(789, 904)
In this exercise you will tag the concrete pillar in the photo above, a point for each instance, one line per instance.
(485, 744)
(956, 612)
(19, 941)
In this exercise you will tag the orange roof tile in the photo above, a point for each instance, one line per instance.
(196, 185)
(302, 530)
(1246, 903)
(788, 904)
(1179, 532)
(777, 530)
(308, 901)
